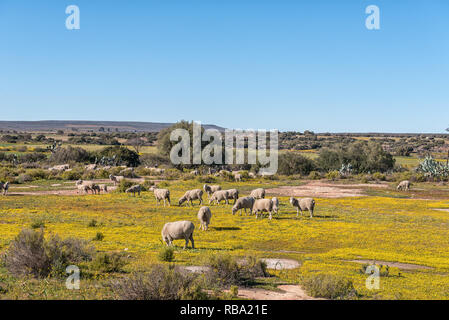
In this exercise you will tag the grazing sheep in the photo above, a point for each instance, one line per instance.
(275, 204)
(103, 187)
(161, 194)
(233, 194)
(79, 182)
(219, 196)
(263, 205)
(194, 172)
(5, 188)
(204, 215)
(178, 230)
(303, 204)
(95, 188)
(211, 189)
(91, 167)
(83, 188)
(195, 194)
(134, 189)
(404, 185)
(243, 203)
(116, 179)
(258, 193)
(238, 177)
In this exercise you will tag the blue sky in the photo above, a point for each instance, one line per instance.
(289, 65)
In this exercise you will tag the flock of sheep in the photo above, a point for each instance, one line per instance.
(255, 203)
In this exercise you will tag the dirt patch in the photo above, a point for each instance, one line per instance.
(281, 264)
(322, 189)
(196, 269)
(287, 292)
(399, 265)
(445, 210)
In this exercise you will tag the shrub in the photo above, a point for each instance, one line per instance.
(225, 270)
(294, 163)
(206, 179)
(122, 156)
(99, 236)
(92, 223)
(160, 283)
(379, 176)
(329, 286)
(30, 254)
(124, 184)
(23, 178)
(167, 254)
(69, 154)
(333, 175)
(108, 262)
(37, 224)
(314, 175)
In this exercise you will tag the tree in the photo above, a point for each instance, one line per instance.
(293, 163)
(121, 155)
(137, 143)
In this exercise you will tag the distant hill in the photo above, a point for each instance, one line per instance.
(54, 125)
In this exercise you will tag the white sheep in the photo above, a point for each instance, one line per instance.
(195, 194)
(161, 194)
(258, 193)
(178, 230)
(116, 179)
(404, 185)
(103, 187)
(263, 205)
(275, 205)
(83, 188)
(211, 189)
(243, 203)
(5, 188)
(134, 189)
(204, 216)
(237, 177)
(233, 194)
(219, 196)
(303, 204)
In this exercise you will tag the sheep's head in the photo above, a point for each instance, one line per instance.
(292, 201)
(234, 209)
(182, 200)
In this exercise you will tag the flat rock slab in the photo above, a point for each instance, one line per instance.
(445, 210)
(287, 292)
(399, 265)
(281, 264)
(196, 269)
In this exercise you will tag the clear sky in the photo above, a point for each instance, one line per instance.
(289, 65)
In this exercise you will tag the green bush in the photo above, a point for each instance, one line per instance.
(314, 175)
(294, 163)
(99, 237)
(329, 287)
(124, 184)
(166, 254)
(333, 175)
(108, 262)
(379, 176)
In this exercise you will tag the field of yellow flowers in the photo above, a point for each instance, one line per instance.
(380, 228)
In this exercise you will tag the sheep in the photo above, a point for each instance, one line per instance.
(79, 182)
(178, 230)
(219, 196)
(161, 194)
(103, 187)
(243, 203)
(252, 175)
(195, 194)
(275, 204)
(238, 177)
(194, 172)
(404, 185)
(5, 188)
(134, 189)
(258, 193)
(303, 204)
(116, 179)
(204, 216)
(263, 205)
(211, 189)
(95, 188)
(84, 188)
(233, 194)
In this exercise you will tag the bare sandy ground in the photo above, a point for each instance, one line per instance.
(399, 265)
(322, 189)
(288, 292)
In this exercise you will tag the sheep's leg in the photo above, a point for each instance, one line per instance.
(191, 240)
(297, 212)
(270, 217)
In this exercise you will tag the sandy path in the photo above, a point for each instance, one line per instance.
(321, 189)
(289, 292)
